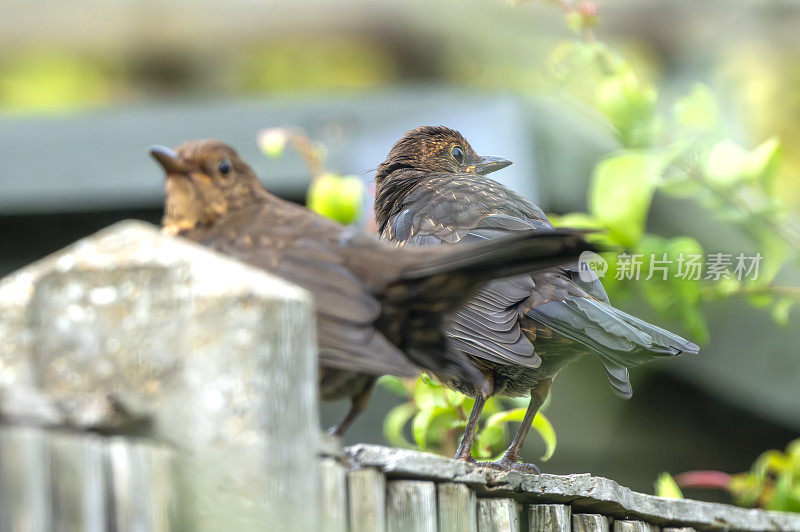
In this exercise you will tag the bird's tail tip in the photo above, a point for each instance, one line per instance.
(690, 348)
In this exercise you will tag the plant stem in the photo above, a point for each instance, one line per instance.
(309, 152)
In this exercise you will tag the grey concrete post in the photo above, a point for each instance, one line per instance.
(133, 331)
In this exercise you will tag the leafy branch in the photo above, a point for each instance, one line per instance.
(684, 154)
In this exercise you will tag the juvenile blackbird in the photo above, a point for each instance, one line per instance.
(519, 332)
(380, 309)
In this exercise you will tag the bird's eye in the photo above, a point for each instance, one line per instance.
(224, 167)
(458, 154)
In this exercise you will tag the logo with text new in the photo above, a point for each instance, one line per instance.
(591, 266)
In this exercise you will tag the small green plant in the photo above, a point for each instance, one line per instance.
(773, 483)
(435, 418)
(666, 486)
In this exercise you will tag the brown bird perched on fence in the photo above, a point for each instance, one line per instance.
(519, 332)
(380, 309)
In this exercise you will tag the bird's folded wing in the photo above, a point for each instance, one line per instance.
(346, 310)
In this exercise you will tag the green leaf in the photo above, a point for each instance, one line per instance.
(677, 182)
(273, 141)
(489, 442)
(540, 424)
(770, 462)
(493, 405)
(764, 160)
(698, 110)
(793, 454)
(429, 381)
(467, 405)
(746, 489)
(630, 106)
(781, 309)
(454, 398)
(559, 57)
(576, 220)
(695, 322)
(581, 220)
(545, 429)
(575, 22)
(676, 179)
(621, 192)
(394, 423)
(774, 251)
(337, 197)
(423, 422)
(761, 300)
(728, 163)
(786, 497)
(667, 487)
(426, 396)
(395, 385)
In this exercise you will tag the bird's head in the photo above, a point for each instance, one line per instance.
(437, 149)
(205, 179)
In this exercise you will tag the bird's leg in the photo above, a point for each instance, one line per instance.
(510, 459)
(464, 451)
(357, 405)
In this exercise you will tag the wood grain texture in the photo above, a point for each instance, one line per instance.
(333, 495)
(78, 480)
(411, 506)
(367, 500)
(458, 508)
(550, 517)
(589, 523)
(24, 480)
(498, 515)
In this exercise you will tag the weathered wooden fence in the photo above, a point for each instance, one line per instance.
(395, 489)
(149, 384)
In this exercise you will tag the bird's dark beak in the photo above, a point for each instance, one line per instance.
(487, 165)
(169, 160)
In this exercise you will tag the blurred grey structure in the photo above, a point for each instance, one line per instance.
(98, 160)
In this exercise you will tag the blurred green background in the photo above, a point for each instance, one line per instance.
(85, 86)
